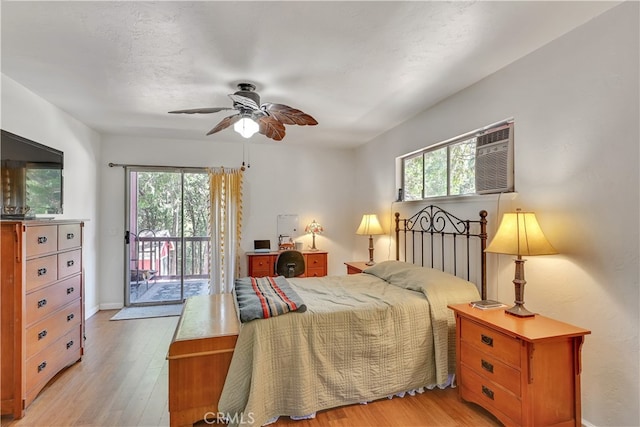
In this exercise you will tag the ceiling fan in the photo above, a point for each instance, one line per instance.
(268, 119)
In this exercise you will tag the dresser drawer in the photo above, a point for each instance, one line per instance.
(316, 261)
(43, 366)
(69, 236)
(261, 266)
(491, 396)
(69, 263)
(49, 329)
(490, 368)
(316, 265)
(41, 240)
(41, 271)
(315, 272)
(45, 301)
(497, 345)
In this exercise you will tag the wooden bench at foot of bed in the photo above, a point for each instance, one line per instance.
(199, 357)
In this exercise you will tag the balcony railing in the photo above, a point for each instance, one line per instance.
(162, 257)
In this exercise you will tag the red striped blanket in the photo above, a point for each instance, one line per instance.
(264, 297)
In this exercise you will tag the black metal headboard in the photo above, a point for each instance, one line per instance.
(447, 237)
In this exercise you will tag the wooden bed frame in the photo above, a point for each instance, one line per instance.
(209, 327)
(438, 239)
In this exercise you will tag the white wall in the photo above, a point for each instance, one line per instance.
(575, 104)
(26, 114)
(282, 179)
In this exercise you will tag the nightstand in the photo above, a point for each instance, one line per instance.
(525, 371)
(355, 267)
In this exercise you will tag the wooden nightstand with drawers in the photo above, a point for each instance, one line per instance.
(525, 371)
(355, 267)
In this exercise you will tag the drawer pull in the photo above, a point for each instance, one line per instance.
(487, 366)
(486, 340)
(70, 317)
(42, 303)
(69, 344)
(42, 240)
(42, 366)
(487, 392)
(70, 263)
(70, 236)
(42, 271)
(42, 334)
(70, 290)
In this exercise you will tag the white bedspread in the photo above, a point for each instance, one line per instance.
(362, 338)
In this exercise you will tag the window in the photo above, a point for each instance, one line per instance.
(450, 169)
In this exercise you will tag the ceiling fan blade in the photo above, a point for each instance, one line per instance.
(244, 101)
(288, 115)
(271, 128)
(225, 123)
(201, 110)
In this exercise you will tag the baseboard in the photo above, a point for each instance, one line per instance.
(586, 423)
(90, 312)
(111, 306)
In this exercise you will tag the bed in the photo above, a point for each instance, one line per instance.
(361, 337)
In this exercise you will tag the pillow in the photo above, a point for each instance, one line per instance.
(386, 270)
(414, 277)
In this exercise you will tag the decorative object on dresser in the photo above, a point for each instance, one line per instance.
(264, 264)
(42, 327)
(520, 234)
(525, 371)
(355, 267)
(370, 226)
(314, 228)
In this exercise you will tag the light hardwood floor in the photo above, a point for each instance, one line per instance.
(122, 381)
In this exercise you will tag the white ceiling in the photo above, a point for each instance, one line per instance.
(360, 68)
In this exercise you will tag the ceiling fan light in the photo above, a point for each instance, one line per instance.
(246, 127)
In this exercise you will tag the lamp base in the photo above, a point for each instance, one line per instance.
(520, 311)
(313, 245)
(370, 263)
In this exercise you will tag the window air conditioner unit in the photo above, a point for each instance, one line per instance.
(494, 160)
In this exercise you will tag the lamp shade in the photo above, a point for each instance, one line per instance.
(520, 234)
(313, 227)
(369, 225)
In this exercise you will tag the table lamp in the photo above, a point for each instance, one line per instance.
(370, 226)
(314, 228)
(520, 234)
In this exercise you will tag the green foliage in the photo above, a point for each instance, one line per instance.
(463, 167)
(43, 190)
(413, 178)
(435, 173)
(447, 171)
(160, 202)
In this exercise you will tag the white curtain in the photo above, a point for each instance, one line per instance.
(226, 227)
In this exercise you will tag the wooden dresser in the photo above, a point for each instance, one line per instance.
(264, 264)
(525, 371)
(42, 325)
(199, 357)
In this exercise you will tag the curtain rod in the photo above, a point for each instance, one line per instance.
(124, 165)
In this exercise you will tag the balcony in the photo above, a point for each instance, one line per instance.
(160, 268)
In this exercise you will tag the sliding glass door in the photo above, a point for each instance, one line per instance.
(167, 239)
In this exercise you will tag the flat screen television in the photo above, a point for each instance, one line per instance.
(31, 178)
